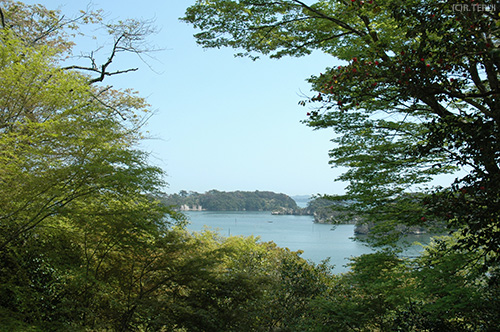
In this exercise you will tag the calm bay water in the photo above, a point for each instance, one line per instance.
(318, 241)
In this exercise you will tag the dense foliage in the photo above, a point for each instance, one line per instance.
(215, 200)
(415, 96)
(84, 246)
(77, 225)
(326, 210)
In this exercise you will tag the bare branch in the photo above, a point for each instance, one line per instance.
(102, 72)
(129, 36)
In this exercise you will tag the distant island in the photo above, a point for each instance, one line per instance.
(215, 200)
(323, 210)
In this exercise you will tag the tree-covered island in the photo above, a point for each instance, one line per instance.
(323, 209)
(86, 246)
(215, 200)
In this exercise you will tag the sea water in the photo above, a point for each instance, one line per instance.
(317, 241)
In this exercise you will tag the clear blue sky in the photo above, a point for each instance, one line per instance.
(222, 122)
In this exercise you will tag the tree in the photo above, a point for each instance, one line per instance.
(416, 96)
(259, 287)
(215, 200)
(37, 26)
(453, 284)
(366, 297)
(79, 224)
(61, 143)
(442, 290)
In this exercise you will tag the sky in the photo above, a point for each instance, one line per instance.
(221, 122)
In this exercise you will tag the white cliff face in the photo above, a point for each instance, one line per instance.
(186, 207)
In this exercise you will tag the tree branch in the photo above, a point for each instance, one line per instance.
(2, 18)
(329, 18)
(108, 106)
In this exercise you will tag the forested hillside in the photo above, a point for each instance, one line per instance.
(215, 200)
(85, 245)
(330, 211)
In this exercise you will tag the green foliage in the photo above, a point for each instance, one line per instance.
(458, 286)
(440, 291)
(215, 200)
(75, 192)
(85, 246)
(367, 296)
(415, 97)
(331, 209)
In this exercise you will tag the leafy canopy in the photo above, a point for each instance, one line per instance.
(416, 96)
(78, 218)
(84, 242)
